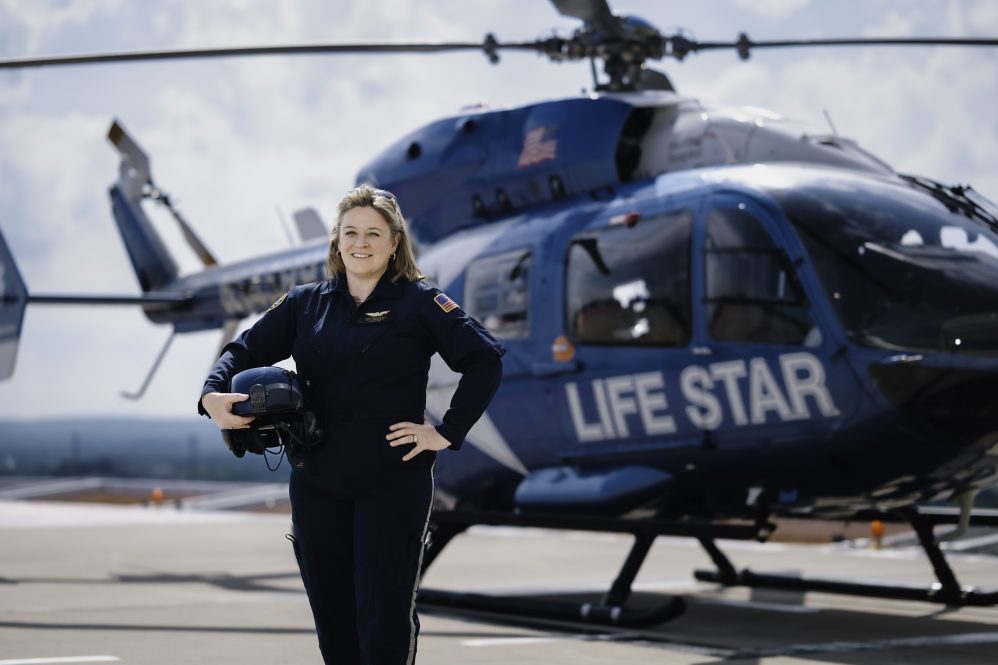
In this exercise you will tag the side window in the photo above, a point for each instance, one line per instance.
(629, 284)
(497, 293)
(751, 291)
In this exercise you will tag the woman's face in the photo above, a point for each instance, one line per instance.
(366, 242)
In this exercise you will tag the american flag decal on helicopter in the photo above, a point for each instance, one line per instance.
(536, 149)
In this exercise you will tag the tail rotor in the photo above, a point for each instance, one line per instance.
(13, 300)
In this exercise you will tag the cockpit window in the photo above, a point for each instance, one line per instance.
(628, 284)
(901, 270)
(752, 294)
(497, 293)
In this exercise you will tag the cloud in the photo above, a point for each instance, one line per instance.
(920, 109)
(893, 24)
(981, 14)
(35, 24)
(52, 215)
(772, 8)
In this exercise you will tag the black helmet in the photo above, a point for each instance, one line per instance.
(280, 413)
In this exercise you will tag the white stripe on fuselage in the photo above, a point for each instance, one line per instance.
(446, 260)
(484, 435)
(444, 263)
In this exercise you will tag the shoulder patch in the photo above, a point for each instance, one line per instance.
(277, 303)
(444, 302)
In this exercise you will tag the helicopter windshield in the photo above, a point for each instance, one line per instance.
(900, 269)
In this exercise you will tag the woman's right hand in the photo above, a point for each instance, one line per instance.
(219, 407)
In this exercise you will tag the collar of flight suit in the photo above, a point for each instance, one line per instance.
(384, 288)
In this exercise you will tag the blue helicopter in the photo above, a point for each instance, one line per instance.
(711, 314)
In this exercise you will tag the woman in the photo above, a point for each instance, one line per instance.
(360, 500)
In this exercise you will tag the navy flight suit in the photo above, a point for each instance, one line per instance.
(360, 513)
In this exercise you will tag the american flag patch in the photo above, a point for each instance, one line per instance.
(444, 302)
(536, 149)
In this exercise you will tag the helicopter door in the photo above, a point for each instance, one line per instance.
(628, 315)
(767, 376)
(500, 292)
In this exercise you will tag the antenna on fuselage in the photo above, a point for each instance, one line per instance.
(831, 124)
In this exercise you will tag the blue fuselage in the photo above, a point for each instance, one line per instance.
(706, 324)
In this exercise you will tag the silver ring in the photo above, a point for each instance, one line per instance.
(414, 439)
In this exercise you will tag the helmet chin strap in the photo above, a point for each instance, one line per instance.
(283, 447)
(311, 434)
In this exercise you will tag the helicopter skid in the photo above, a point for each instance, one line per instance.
(612, 609)
(936, 593)
(596, 614)
(947, 590)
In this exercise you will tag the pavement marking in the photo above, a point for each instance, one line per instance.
(872, 645)
(540, 639)
(758, 605)
(968, 543)
(31, 490)
(635, 638)
(55, 514)
(507, 641)
(642, 638)
(595, 586)
(64, 659)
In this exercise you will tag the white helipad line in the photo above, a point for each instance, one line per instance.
(872, 645)
(49, 487)
(967, 543)
(56, 514)
(507, 641)
(540, 639)
(63, 659)
(594, 586)
(759, 605)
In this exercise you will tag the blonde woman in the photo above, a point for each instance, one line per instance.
(362, 342)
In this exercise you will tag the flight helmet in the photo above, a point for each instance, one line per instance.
(279, 407)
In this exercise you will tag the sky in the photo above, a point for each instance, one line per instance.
(239, 143)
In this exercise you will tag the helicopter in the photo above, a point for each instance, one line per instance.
(709, 313)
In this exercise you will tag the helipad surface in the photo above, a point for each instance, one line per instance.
(83, 583)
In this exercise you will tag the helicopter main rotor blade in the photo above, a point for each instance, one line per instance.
(595, 12)
(489, 46)
(681, 46)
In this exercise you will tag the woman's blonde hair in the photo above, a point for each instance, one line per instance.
(403, 261)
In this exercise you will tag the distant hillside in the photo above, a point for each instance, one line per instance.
(126, 447)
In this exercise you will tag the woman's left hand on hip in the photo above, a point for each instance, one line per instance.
(420, 437)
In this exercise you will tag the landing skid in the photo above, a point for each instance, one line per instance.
(612, 609)
(947, 590)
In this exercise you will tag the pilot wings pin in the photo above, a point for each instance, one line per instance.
(376, 317)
